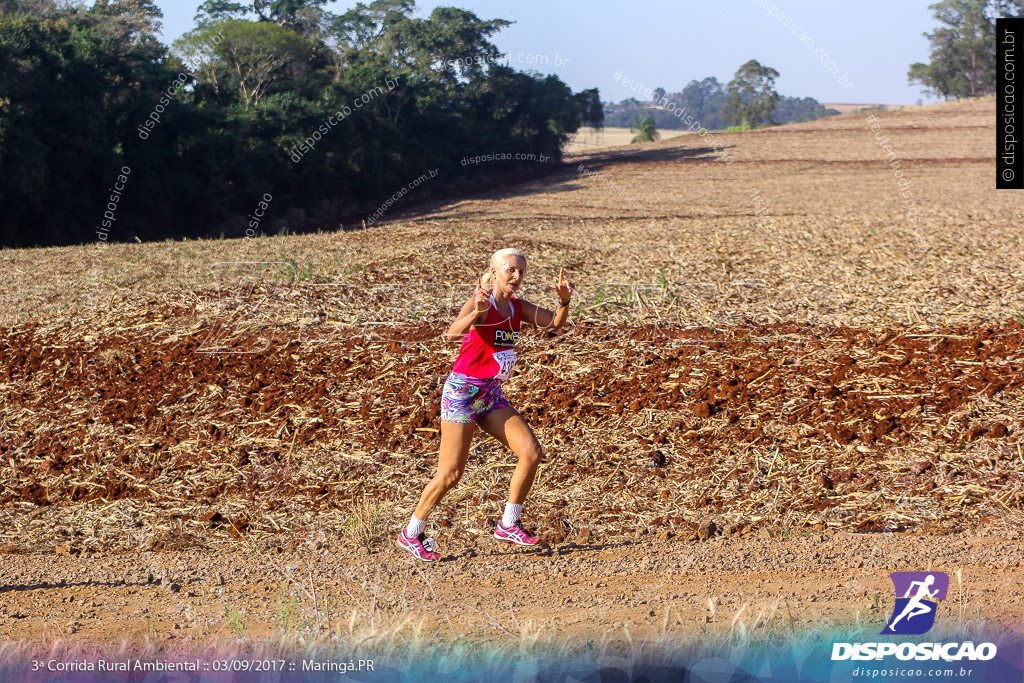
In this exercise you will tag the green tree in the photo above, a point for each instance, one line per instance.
(364, 25)
(288, 12)
(74, 86)
(521, 111)
(450, 47)
(34, 8)
(752, 95)
(962, 60)
(215, 11)
(299, 15)
(438, 61)
(644, 131)
(252, 56)
(591, 108)
(129, 20)
(1009, 8)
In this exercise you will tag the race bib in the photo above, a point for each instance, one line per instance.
(505, 359)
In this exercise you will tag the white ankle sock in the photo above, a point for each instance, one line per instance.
(512, 512)
(416, 527)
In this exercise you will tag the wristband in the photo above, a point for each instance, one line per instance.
(563, 303)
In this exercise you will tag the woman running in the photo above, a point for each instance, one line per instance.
(489, 326)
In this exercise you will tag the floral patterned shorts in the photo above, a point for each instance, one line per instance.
(465, 399)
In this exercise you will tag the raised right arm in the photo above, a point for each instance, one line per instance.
(473, 312)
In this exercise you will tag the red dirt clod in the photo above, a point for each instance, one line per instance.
(921, 466)
(998, 430)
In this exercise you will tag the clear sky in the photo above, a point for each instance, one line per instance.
(668, 43)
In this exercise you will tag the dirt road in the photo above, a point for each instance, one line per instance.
(650, 586)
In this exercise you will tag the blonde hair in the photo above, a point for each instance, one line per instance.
(499, 257)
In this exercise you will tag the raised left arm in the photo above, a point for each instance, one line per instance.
(542, 317)
(535, 315)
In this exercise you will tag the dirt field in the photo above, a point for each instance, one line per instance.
(850, 108)
(589, 140)
(786, 376)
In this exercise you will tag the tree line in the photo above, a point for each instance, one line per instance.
(330, 114)
(962, 59)
(748, 100)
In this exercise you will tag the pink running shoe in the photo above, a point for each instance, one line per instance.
(514, 534)
(421, 547)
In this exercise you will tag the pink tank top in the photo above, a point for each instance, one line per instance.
(488, 349)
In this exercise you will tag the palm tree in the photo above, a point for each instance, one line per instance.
(644, 131)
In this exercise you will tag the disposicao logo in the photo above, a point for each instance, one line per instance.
(914, 613)
(917, 596)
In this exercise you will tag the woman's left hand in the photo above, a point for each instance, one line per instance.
(563, 288)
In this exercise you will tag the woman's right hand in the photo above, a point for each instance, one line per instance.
(481, 299)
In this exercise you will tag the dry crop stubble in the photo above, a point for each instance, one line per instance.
(840, 370)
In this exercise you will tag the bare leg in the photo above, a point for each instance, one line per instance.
(508, 426)
(455, 440)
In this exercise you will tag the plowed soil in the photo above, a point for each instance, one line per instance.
(756, 414)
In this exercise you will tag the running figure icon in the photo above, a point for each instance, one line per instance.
(915, 607)
(914, 612)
